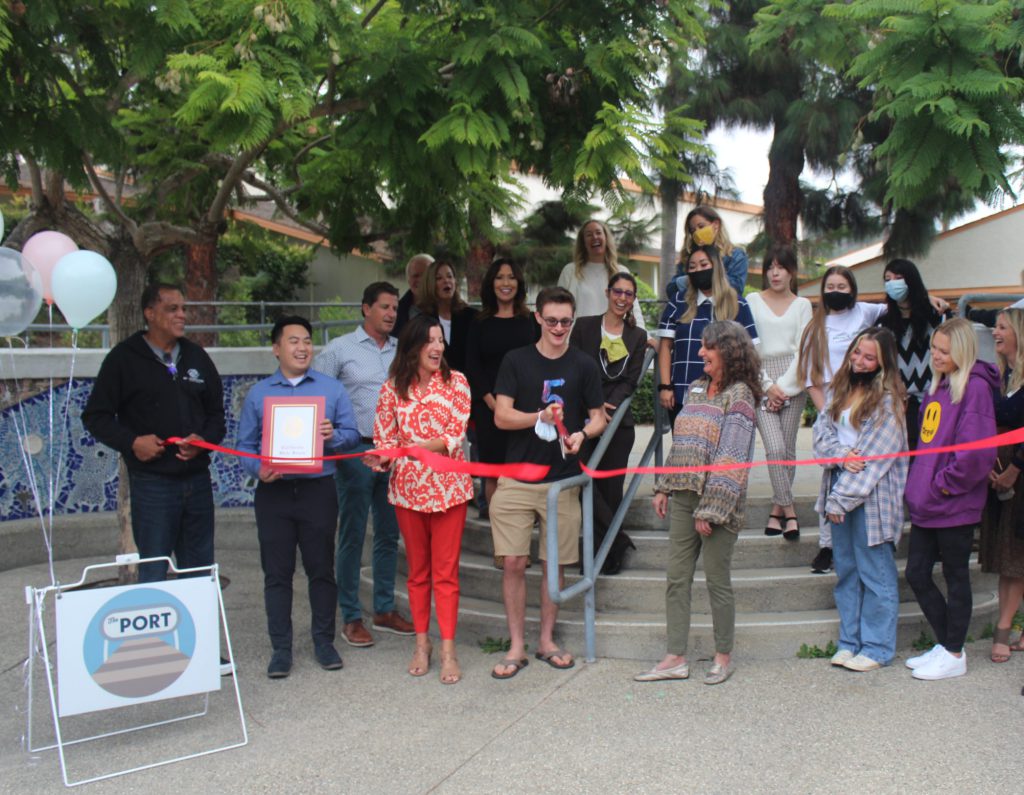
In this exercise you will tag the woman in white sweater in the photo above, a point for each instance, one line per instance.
(594, 263)
(781, 317)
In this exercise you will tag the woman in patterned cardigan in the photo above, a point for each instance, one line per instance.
(426, 404)
(714, 427)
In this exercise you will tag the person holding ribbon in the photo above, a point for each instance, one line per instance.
(781, 317)
(946, 493)
(424, 403)
(715, 427)
(912, 319)
(707, 297)
(618, 346)
(863, 501)
(704, 227)
(1002, 528)
(297, 509)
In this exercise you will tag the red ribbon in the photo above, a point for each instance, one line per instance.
(536, 472)
(436, 461)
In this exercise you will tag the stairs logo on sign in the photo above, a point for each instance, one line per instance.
(139, 643)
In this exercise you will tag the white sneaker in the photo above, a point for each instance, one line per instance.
(923, 659)
(841, 657)
(862, 664)
(942, 666)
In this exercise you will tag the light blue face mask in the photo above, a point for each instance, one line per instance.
(896, 289)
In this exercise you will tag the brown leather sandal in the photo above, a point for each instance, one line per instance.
(1001, 637)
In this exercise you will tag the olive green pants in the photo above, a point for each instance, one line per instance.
(685, 545)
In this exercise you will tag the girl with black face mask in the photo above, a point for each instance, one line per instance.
(708, 297)
(863, 500)
(837, 320)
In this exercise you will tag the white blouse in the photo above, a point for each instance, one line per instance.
(780, 335)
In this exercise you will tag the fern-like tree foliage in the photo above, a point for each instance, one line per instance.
(359, 120)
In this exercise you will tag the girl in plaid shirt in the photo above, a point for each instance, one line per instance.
(863, 500)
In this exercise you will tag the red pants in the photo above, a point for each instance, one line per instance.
(433, 542)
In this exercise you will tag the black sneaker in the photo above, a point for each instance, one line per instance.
(227, 668)
(280, 664)
(822, 561)
(328, 657)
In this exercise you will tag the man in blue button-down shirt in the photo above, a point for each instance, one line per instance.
(297, 509)
(361, 361)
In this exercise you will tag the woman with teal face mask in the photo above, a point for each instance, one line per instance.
(911, 318)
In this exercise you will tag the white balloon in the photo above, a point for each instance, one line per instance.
(84, 283)
(21, 294)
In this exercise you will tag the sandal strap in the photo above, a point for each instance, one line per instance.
(1001, 635)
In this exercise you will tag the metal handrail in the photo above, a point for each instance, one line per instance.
(592, 563)
(969, 298)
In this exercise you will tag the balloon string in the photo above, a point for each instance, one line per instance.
(21, 429)
(444, 464)
(65, 431)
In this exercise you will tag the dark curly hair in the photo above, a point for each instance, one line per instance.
(405, 368)
(740, 361)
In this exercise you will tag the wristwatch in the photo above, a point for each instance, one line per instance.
(663, 387)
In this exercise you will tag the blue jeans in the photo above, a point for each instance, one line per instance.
(359, 489)
(866, 592)
(172, 515)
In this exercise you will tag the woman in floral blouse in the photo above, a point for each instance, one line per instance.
(424, 403)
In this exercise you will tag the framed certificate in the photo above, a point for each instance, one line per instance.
(291, 434)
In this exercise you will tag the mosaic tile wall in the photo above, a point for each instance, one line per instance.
(88, 472)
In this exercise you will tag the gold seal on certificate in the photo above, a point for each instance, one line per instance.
(291, 434)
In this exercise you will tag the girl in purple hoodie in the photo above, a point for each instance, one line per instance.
(946, 493)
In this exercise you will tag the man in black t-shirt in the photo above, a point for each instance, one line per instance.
(536, 385)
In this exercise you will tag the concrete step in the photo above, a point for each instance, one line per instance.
(641, 635)
(764, 590)
(753, 548)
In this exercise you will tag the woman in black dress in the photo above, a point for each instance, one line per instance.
(503, 324)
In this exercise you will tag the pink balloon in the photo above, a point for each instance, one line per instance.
(44, 250)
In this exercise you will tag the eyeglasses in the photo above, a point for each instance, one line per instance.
(618, 292)
(551, 322)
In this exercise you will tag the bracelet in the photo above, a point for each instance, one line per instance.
(664, 387)
(586, 435)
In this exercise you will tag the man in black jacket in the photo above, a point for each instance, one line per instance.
(414, 270)
(154, 385)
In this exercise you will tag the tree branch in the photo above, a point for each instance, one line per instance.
(36, 177)
(153, 236)
(372, 13)
(111, 205)
(281, 202)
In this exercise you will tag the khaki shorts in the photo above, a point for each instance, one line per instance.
(514, 508)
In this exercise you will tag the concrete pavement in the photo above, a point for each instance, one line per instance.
(777, 726)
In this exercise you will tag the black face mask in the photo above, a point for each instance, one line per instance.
(862, 379)
(838, 301)
(702, 279)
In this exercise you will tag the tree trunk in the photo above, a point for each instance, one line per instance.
(783, 198)
(478, 260)
(201, 285)
(669, 191)
(125, 313)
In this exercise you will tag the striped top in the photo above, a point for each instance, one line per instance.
(713, 430)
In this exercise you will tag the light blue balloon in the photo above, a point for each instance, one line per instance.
(84, 284)
(21, 294)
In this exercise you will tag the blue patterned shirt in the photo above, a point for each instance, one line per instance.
(687, 366)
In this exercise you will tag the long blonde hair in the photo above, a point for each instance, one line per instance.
(887, 382)
(722, 242)
(724, 300)
(426, 299)
(963, 350)
(611, 256)
(814, 342)
(1015, 319)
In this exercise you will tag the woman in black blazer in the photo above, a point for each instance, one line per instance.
(618, 346)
